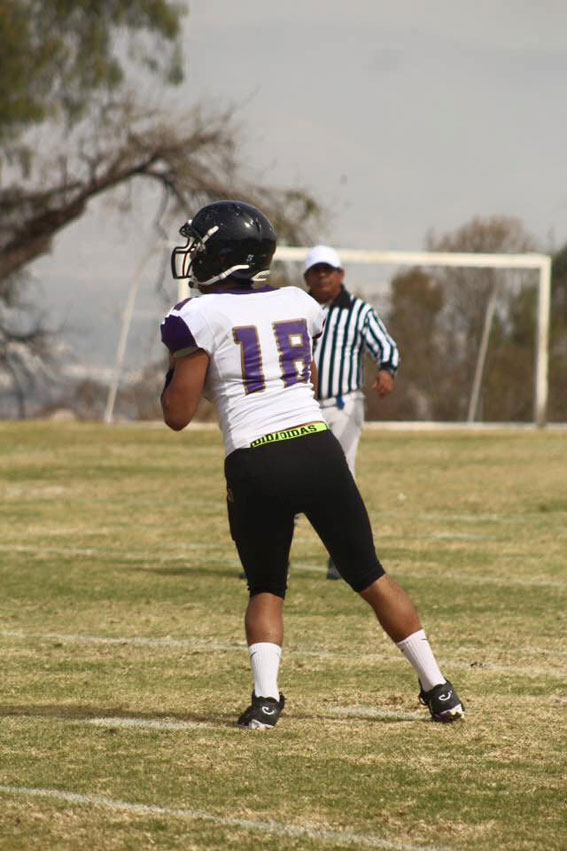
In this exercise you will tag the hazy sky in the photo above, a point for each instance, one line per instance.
(398, 116)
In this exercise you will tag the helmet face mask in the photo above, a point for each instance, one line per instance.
(182, 257)
(225, 239)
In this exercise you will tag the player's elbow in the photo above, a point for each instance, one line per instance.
(175, 420)
(176, 417)
(175, 425)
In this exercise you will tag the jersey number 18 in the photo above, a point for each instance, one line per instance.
(294, 347)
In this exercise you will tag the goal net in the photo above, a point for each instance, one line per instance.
(473, 330)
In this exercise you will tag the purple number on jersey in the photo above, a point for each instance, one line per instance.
(251, 358)
(294, 347)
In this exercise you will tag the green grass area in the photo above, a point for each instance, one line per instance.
(124, 661)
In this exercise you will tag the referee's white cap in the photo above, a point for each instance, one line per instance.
(322, 254)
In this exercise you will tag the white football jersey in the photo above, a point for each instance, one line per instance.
(260, 346)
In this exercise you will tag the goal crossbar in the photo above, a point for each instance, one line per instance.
(539, 262)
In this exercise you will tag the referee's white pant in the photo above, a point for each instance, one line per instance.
(346, 423)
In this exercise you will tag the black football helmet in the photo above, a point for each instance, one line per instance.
(225, 238)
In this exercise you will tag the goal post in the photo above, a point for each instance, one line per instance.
(539, 262)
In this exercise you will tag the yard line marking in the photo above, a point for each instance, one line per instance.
(142, 723)
(489, 580)
(476, 580)
(459, 536)
(458, 577)
(165, 724)
(122, 721)
(212, 647)
(354, 713)
(184, 644)
(229, 562)
(273, 827)
(95, 552)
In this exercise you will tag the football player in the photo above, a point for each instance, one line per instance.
(249, 348)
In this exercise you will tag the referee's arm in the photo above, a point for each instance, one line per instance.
(383, 350)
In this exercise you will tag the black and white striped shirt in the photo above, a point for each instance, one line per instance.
(352, 327)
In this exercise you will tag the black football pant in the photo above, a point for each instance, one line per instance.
(268, 485)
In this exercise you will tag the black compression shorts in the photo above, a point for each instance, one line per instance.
(269, 484)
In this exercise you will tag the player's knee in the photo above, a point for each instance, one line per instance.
(359, 578)
(278, 589)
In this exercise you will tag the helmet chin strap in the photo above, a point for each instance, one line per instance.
(220, 277)
(257, 278)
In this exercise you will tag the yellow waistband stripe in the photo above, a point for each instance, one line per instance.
(289, 433)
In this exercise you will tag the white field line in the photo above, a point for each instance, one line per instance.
(494, 517)
(212, 647)
(266, 827)
(369, 425)
(473, 580)
(352, 712)
(96, 552)
(170, 724)
(136, 641)
(146, 557)
(455, 536)
(431, 425)
(143, 724)
(490, 580)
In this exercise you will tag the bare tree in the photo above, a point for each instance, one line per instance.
(441, 319)
(478, 306)
(73, 128)
(193, 159)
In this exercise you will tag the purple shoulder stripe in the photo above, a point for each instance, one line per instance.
(175, 334)
(180, 304)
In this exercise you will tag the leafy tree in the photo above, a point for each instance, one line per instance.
(57, 55)
(75, 124)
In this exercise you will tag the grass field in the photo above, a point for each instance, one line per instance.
(124, 664)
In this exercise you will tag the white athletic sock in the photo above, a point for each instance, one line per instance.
(418, 652)
(265, 661)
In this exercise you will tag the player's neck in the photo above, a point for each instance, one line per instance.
(228, 285)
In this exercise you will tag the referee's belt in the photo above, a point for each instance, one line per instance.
(289, 434)
(340, 400)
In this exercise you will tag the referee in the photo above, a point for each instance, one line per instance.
(352, 327)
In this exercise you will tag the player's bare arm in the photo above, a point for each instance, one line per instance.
(181, 396)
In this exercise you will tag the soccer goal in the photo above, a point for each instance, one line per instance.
(371, 259)
(540, 263)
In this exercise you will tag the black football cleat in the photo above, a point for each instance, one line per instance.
(443, 703)
(263, 714)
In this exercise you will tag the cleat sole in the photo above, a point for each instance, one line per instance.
(454, 714)
(256, 725)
